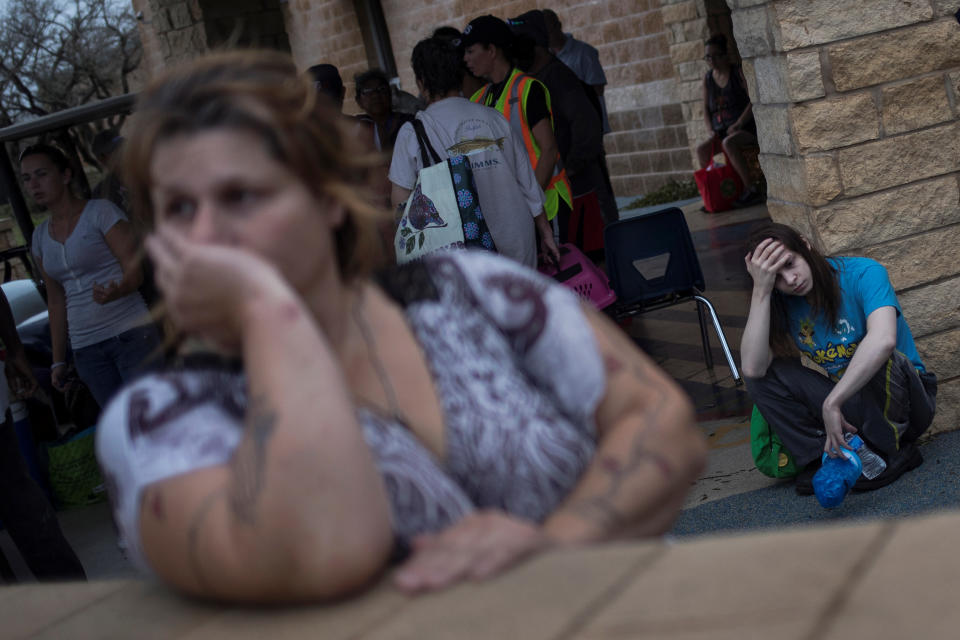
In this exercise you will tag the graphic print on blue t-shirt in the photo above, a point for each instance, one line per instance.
(864, 288)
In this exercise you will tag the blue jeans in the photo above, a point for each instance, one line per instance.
(105, 366)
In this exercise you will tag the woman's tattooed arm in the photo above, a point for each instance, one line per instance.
(647, 455)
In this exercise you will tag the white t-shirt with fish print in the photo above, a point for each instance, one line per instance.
(507, 188)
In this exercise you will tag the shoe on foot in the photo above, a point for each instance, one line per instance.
(804, 480)
(907, 459)
(748, 198)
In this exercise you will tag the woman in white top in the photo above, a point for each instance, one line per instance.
(86, 252)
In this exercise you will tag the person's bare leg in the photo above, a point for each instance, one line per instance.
(705, 152)
(733, 144)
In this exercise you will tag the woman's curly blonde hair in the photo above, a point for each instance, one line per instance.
(261, 92)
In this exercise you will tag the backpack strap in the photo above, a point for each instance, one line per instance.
(425, 145)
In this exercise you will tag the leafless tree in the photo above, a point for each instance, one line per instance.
(56, 54)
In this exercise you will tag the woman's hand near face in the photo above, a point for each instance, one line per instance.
(478, 546)
(764, 262)
(207, 289)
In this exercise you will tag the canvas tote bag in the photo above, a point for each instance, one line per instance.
(443, 211)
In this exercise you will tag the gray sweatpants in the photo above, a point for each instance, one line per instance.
(891, 410)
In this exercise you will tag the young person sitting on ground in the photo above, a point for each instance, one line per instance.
(462, 411)
(844, 315)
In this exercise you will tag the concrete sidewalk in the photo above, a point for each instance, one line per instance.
(732, 495)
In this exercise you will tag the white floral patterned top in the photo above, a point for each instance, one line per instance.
(518, 375)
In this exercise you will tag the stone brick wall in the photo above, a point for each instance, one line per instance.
(648, 144)
(176, 30)
(245, 23)
(858, 112)
(327, 31)
(171, 31)
(647, 147)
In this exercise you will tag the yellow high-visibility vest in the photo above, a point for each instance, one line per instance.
(512, 103)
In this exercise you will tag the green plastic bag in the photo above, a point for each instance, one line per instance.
(769, 454)
(75, 477)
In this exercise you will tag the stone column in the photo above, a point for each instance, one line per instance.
(328, 31)
(171, 31)
(857, 107)
(176, 30)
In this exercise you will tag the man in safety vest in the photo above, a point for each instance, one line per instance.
(524, 102)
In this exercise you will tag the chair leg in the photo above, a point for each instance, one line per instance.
(723, 339)
(704, 338)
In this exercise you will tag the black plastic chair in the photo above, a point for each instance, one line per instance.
(652, 264)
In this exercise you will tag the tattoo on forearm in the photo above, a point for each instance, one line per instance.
(601, 508)
(193, 536)
(248, 466)
(614, 366)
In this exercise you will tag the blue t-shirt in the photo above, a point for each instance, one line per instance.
(864, 288)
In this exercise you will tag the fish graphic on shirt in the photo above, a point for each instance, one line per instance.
(476, 144)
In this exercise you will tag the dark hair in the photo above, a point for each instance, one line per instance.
(261, 92)
(824, 296)
(437, 66)
(57, 157)
(448, 34)
(327, 80)
(373, 74)
(719, 41)
(550, 16)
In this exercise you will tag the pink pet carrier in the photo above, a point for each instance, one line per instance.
(580, 274)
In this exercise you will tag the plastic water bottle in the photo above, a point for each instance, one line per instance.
(873, 465)
(835, 478)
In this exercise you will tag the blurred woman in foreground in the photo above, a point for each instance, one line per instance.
(460, 413)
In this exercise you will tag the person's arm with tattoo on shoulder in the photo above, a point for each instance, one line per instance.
(649, 451)
(242, 531)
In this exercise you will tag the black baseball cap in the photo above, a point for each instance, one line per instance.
(532, 25)
(487, 30)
